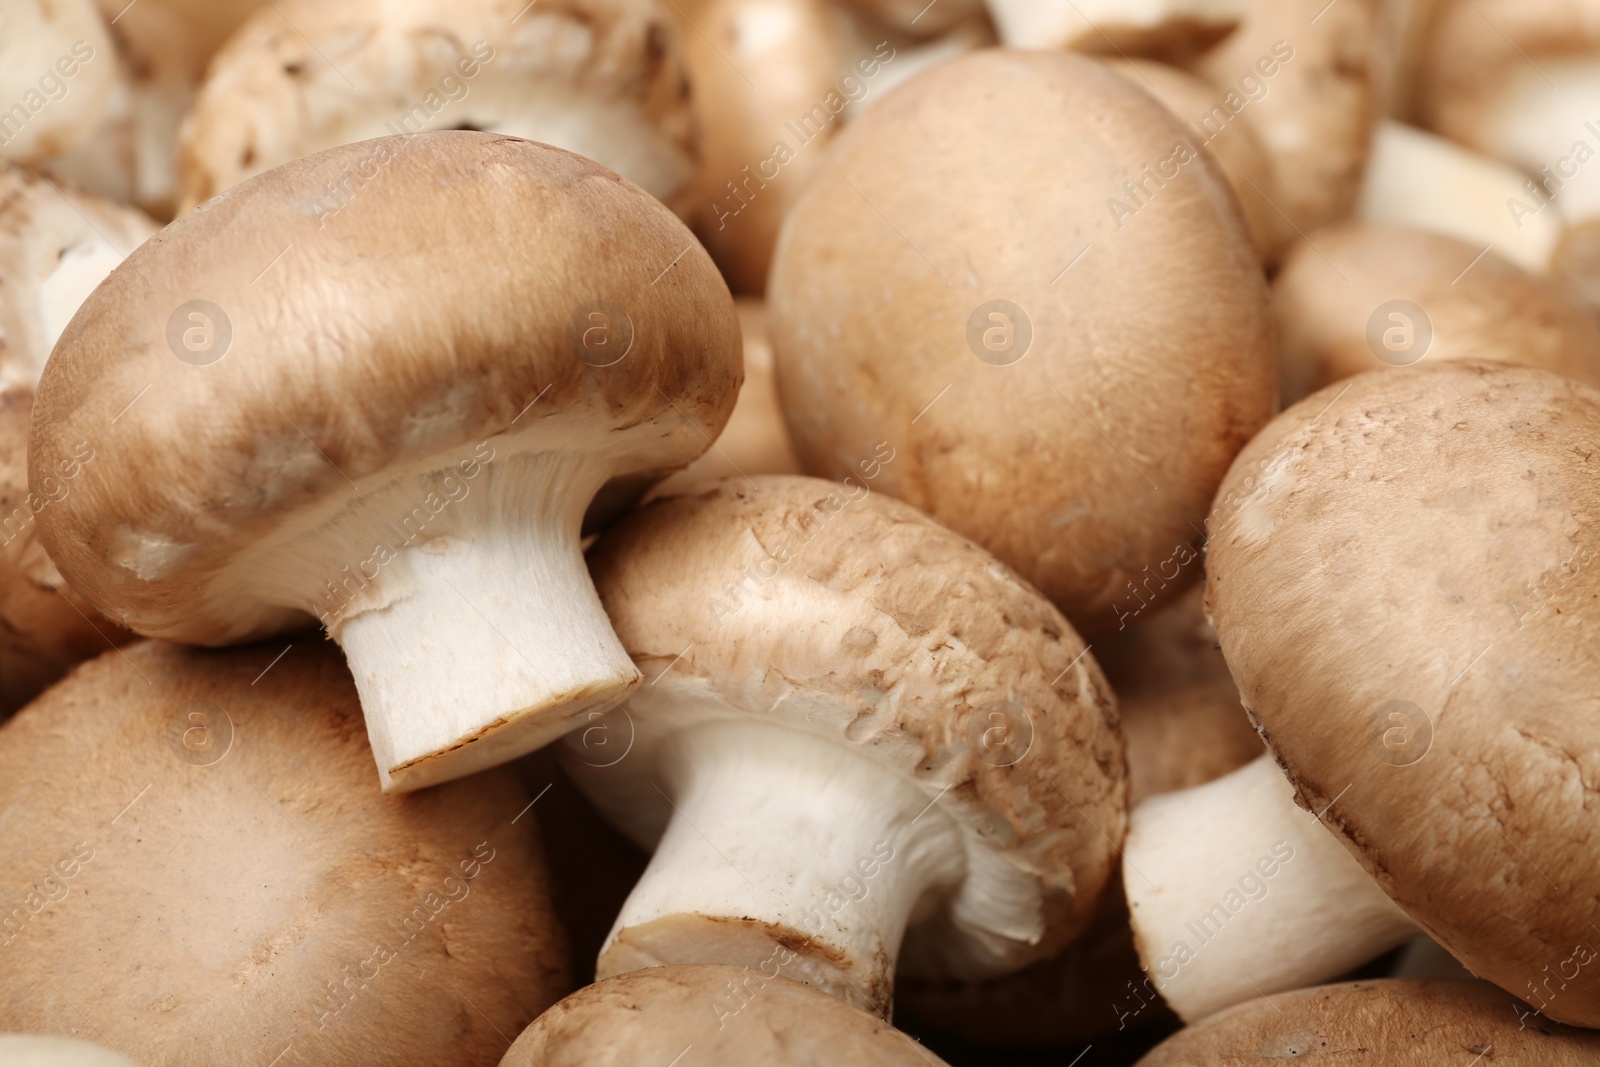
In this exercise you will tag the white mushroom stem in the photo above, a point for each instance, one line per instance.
(1097, 25)
(1415, 178)
(471, 625)
(789, 854)
(1235, 893)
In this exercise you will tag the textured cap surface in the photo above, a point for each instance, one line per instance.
(200, 870)
(1404, 584)
(653, 1015)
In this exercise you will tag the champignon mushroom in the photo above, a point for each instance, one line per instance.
(861, 732)
(1005, 343)
(754, 441)
(392, 416)
(1167, 29)
(36, 1050)
(1519, 82)
(55, 246)
(1397, 1023)
(1402, 583)
(1299, 72)
(1357, 297)
(651, 1016)
(772, 81)
(603, 78)
(58, 73)
(199, 869)
(1184, 726)
(1415, 178)
(1235, 145)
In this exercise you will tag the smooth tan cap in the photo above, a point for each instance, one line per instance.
(1065, 364)
(199, 870)
(710, 1016)
(1404, 584)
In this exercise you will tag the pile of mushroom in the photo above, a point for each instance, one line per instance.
(804, 532)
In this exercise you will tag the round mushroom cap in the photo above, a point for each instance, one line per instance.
(33, 1050)
(835, 611)
(58, 73)
(602, 78)
(1358, 296)
(755, 440)
(1299, 71)
(339, 358)
(45, 625)
(1064, 375)
(1402, 579)
(767, 76)
(203, 869)
(708, 1015)
(1395, 1022)
(1237, 148)
(56, 245)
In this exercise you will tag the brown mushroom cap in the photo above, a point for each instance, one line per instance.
(426, 347)
(1031, 352)
(1342, 295)
(1403, 585)
(755, 440)
(1316, 113)
(829, 613)
(1395, 1022)
(200, 868)
(709, 1016)
(602, 78)
(918, 18)
(1184, 725)
(771, 79)
(1238, 149)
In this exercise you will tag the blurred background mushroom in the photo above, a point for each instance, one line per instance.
(211, 873)
(33, 1050)
(603, 78)
(55, 247)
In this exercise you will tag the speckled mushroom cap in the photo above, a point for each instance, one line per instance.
(1341, 299)
(34, 1050)
(709, 1016)
(1316, 114)
(1238, 149)
(57, 74)
(853, 636)
(1402, 583)
(394, 419)
(1395, 1022)
(767, 73)
(1183, 725)
(56, 244)
(1031, 353)
(602, 78)
(200, 869)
